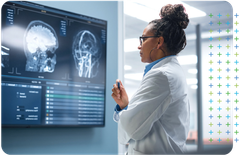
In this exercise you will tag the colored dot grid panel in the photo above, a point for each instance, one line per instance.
(218, 101)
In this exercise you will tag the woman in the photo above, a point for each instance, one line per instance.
(156, 120)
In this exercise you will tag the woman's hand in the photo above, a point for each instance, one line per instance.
(119, 95)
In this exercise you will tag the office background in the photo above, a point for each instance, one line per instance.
(121, 28)
(194, 60)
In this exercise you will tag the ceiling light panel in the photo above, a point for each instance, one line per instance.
(149, 10)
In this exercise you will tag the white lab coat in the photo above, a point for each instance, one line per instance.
(157, 118)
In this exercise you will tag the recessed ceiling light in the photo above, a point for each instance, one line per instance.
(194, 86)
(192, 71)
(127, 67)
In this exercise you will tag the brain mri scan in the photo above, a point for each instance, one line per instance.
(40, 44)
(86, 54)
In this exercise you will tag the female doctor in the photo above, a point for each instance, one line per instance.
(156, 120)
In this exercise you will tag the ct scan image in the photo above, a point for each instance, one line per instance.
(86, 54)
(40, 44)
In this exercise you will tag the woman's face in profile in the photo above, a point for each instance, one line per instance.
(148, 44)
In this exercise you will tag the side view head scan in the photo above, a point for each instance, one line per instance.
(40, 44)
(86, 54)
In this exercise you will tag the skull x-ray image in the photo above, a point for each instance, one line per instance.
(40, 44)
(86, 54)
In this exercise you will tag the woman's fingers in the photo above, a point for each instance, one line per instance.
(116, 91)
(119, 95)
(114, 96)
(121, 86)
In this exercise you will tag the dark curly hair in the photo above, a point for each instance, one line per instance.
(171, 24)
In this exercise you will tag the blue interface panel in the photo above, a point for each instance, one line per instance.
(53, 67)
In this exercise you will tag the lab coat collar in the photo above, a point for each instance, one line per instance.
(149, 66)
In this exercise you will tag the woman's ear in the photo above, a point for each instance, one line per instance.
(160, 42)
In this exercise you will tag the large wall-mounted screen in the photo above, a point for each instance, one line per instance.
(53, 67)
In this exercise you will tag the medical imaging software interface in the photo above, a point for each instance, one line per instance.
(53, 67)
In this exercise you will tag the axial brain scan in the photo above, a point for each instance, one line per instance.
(40, 44)
(86, 54)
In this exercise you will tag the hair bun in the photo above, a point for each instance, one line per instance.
(175, 13)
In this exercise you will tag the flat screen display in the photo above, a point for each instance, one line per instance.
(53, 67)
